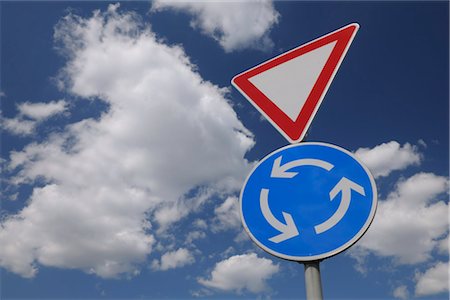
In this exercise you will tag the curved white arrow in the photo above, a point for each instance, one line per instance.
(281, 171)
(288, 230)
(345, 187)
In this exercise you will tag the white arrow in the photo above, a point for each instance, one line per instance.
(288, 230)
(281, 171)
(344, 186)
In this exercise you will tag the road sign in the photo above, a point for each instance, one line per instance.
(308, 201)
(289, 88)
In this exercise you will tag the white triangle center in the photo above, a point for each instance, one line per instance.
(289, 84)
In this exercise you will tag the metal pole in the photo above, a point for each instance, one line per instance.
(312, 281)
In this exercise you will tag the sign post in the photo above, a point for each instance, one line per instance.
(307, 201)
(312, 281)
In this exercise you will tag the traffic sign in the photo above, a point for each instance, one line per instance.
(289, 88)
(308, 201)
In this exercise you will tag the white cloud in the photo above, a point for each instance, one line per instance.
(108, 183)
(200, 224)
(401, 292)
(387, 157)
(83, 227)
(172, 212)
(18, 126)
(434, 281)
(240, 273)
(173, 260)
(422, 143)
(411, 221)
(411, 224)
(443, 245)
(227, 215)
(242, 237)
(235, 24)
(38, 112)
(41, 111)
(194, 235)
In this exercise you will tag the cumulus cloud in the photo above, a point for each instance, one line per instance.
(387, 157)
(41, 111)
(443, 245)
(31, 114)
(411, 225)
(227, 215)
(434, 281)
(235, 25)
(401, 292)
(168, 141)
(18, 126)
(194, 235)
(200, 224)
(241, 273)
(174, 259)
(411, 221)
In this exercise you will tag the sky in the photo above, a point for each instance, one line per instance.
(124, 147)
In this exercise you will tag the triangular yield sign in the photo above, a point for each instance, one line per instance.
(289, 88)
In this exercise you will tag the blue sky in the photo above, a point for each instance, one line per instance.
(124, 147)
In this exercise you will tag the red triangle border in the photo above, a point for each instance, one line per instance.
(294, 131)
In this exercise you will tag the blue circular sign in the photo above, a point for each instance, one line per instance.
(308, 201)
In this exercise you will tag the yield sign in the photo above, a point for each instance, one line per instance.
(288, 89)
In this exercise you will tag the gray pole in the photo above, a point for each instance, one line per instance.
(312, 281)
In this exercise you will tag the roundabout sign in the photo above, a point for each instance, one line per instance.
(308, 201)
